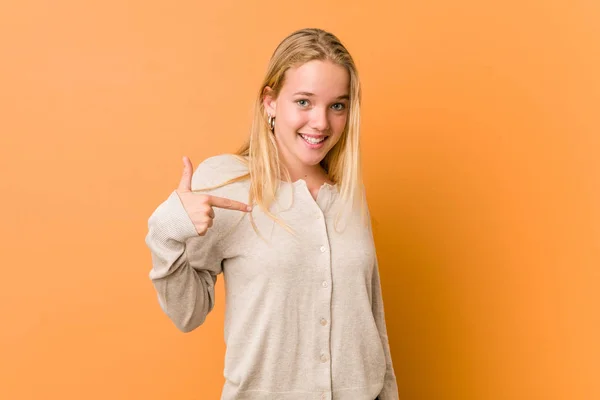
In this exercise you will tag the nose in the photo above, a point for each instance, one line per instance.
(319, 120)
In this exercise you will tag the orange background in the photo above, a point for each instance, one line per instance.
(481, 149)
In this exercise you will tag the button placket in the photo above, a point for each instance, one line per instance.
(324, 357)
(322, 349)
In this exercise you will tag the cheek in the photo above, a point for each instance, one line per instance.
(291, 118)
(338, 123)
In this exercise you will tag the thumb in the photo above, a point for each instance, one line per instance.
(185, 184)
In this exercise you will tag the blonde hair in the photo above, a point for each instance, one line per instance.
(342, 163)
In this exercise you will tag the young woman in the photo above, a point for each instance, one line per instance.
(285, 220)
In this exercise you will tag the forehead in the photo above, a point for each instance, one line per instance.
(323, 78)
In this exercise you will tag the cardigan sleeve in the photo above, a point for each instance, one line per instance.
(390, 386)
(185, 265)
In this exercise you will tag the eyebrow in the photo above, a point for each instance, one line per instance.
(308, 94)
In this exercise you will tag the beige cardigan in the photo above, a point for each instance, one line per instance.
(304, 315)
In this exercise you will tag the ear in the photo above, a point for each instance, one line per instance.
(269, 100)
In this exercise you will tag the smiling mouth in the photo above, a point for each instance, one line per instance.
(313, 140)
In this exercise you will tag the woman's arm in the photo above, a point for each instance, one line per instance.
(184, 265)
(390, 386)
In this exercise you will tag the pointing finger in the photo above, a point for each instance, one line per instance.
(229, 204)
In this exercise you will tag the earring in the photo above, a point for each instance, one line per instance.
(271, 122)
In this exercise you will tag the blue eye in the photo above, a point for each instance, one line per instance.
(299, 102)
(341, 106)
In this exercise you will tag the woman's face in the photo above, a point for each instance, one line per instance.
(310, 111)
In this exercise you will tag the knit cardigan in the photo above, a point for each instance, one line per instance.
(304, 316)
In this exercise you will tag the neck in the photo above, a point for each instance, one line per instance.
(309, 173)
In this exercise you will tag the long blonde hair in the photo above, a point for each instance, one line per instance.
(342, 163)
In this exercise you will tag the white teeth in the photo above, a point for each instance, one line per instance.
(312, 140)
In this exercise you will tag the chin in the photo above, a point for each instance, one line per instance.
(311, 161)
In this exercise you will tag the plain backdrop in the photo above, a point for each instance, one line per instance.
(481, 141)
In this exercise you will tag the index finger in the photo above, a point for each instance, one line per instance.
(229, 204)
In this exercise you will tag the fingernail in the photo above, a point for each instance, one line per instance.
(249, 208)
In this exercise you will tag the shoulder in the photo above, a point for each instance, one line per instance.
(218, 169)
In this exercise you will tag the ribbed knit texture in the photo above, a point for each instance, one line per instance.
(304, 316)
